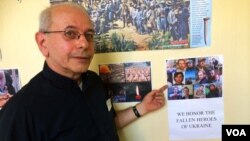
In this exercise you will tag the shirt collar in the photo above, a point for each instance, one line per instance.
(59, 80)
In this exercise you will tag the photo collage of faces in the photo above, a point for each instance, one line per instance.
(127, 82)
(194, 78)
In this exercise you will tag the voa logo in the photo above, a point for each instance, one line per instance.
(236, 132)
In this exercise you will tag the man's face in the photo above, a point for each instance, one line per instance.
(201, 87)
(190, 64)
(175, 90)
(212, 73)
(200, 75)
(202, 63)
(179, 79)
(182, 64)
(186, 91)
(212, 87)
(67, 56)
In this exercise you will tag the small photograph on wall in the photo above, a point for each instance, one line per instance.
(127, 82)
(9, 84)
(9, 81)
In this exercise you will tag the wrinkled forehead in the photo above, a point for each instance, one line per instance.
(68, 13)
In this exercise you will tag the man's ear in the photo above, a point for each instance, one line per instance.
(41, 42)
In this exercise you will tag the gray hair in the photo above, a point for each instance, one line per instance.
(45, 18)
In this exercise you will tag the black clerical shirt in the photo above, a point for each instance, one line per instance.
(53, 108)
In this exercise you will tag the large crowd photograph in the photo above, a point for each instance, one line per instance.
(134, 25)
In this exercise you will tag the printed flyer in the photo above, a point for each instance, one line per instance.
(195, 97)
(200, 23)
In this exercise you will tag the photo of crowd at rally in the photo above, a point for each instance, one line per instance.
(133, 25)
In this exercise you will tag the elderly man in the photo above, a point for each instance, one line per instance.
(66, 101)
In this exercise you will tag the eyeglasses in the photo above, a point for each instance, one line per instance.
(74, 34)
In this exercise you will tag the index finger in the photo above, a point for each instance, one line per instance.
(163, 88)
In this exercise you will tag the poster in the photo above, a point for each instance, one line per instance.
(135, 25)
(195, 97)
(9, 84)
(127, 82)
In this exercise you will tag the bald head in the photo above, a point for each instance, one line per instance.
(47, 15)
